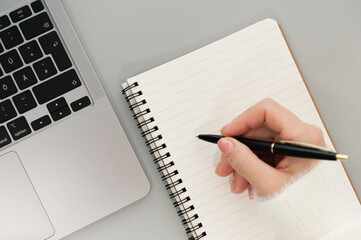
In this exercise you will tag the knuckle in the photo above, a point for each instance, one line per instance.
(268, 102)
(316, 135)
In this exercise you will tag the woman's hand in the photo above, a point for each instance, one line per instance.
(265, 173)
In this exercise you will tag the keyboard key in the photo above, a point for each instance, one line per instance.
(7, 87)
(40, 122)
(51, 44)
(61, 113)
(7, 111)
(36, 26)
(4, 22)
(1, 72)
(24, 101)
(11, 61)
(4, 137)
(25, 78)
(37, 6)
(30, 51)
(80, 104)
(57, 104)
(1, 48)
(20, 14)
(19, 128)
(11, 37)
(56, 86)
(45, 68)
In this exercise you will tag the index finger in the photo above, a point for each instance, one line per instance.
(270, 114)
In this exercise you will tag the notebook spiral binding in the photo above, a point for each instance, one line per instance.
(173, 183)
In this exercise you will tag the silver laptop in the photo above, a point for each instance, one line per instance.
(65, 160)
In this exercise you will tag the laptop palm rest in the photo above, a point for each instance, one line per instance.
(22, 215)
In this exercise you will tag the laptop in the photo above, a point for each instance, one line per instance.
(65, 161)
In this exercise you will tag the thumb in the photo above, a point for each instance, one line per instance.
(247, 164)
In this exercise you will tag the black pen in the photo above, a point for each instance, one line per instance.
(283, 147)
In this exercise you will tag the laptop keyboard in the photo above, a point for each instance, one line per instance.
(39, 84)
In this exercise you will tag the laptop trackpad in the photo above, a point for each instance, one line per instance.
(21, 214)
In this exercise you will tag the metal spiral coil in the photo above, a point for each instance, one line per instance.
(177, 193)
(142, 113)
(149, 131)
(182, 201)
(161, 158)
(169, 176)
(133, 95)
(184, 211)
(203, 234)
(138, 104)
(145, 122)
(173, 184)
(156, 149)
(166, 166)
(192, 229)
(189, 220)
(153, 140)
(125, 90)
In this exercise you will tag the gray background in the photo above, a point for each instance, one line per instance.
(124, 38)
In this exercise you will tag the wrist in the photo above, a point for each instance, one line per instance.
(307, 207)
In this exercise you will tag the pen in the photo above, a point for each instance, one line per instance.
(283, 147)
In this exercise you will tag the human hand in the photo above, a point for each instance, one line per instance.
(266, 173)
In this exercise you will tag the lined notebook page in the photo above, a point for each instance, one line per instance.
(201, 92)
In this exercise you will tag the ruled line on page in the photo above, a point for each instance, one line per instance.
(229, 216)
(242, 77)
(252, 226)
(241, 228)
(288, 98)
(259, 234)
(200, 161)
(227, 100)
(214, 55)
(226, 116)
(182, 80)
(199, 94)
(250, 93)
(306, 111)
(205, 203)
(217, 198)
(222, 182)
(195, 119)
(232, 100)
(225, 227)
(215, 131)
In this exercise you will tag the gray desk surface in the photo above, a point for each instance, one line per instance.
(126, 37)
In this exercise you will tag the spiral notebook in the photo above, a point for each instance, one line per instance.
(199, 93)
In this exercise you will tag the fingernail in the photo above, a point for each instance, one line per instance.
(225, 146)
(250, 192)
